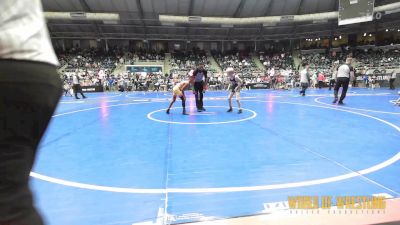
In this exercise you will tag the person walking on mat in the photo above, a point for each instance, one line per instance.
(344, 74)
(30, 89)
(200, 83)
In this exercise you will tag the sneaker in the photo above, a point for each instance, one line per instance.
(240, 111)
(167, 111)
(199, 110)
(229, 110)
(334, 101)
(184, 113)
(84, 96)
(77, 98)
(203, 109)
(341, 103)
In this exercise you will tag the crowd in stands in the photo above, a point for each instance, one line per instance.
(240, 61)
(278, 60)
(323, 62)
(142, 55)
(376, 59)
(186, 61)
(87, 59)
(95, 67)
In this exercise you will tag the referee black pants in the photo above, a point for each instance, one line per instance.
(198, 93)
(78, 89)
(391, 83)
(331, 83)
(29, 93)
(344, 83)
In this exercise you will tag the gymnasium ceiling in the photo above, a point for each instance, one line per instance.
(139, 19)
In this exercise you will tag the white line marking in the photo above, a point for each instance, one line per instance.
(149, 116)
(372, 169)
(317, 100)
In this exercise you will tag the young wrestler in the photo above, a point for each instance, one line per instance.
(178, 91)
(235, 84)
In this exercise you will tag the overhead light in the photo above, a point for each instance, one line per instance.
(77, 14)
(387, 30)
(113, 22)
(227, 25)
(270, 24)
(365, 34)
(340, 37)
(168, 24)
(392, 11)
(398, 30)
(370, 35)
(320, 21)
(194, 19)
(335, 39)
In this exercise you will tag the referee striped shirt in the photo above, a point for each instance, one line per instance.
(23, 32)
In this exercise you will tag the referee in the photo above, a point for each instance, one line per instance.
(344, 74)
(76, 86)
(30, 89)
(392, 79)
(200, 83)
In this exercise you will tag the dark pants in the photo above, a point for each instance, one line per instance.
(66, 92)
(29, 93)
(344, 83)
(331, 84)
(320, 84)
(78, 89)
(391, 83)
(198, 92)
(304, 87)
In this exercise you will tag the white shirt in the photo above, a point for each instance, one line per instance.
(23, 32)
(393, 75)
(75, 79)
(343, 71)
(304, 76)
(272, 72)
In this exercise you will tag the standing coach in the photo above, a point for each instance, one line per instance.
(30, 89)
(344, 74)
(200, 83)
